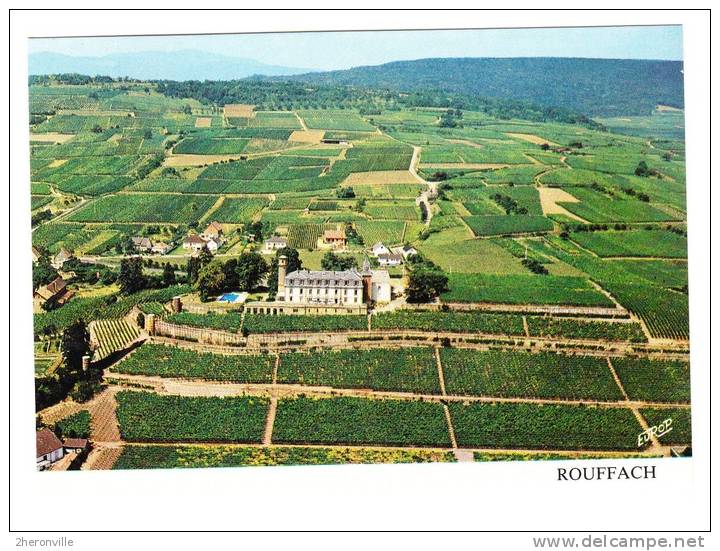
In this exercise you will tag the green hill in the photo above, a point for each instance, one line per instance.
(598, 87)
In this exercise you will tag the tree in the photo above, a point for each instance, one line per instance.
(193, 269)
(335, 262)
(210, 281)
(250, 269)
(426, 280)
(132, 277)
(205, 257)
(147, 134)
(293, 263)
(642, 169)
(168, 275)
(75, 345)
(231, 277)
(43, 273)
(127, 245)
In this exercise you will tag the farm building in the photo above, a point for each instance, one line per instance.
(274, 243)
(335, 238)
(142, 244)
(213, 231)
(213, 244)
(161, 248)
(406, 251)
(194, 242)
(56, 291)
(75, 445)
(35, 254)
(49, 448)
(379, 248)
(62, 256)
(390, 259)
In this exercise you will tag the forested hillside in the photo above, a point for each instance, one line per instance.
(597, 87)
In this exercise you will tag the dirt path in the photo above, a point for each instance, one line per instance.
(102, 457)
(104, 424)
(270, 421)
(431, 186)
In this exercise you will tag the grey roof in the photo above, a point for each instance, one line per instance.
(325, 277)
(276, 239)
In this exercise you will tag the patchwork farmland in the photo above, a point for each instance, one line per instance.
(561, 326)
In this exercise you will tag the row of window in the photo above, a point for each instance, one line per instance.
(323, 282)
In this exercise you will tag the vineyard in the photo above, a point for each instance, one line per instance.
(144, 417)
(360, 421)
(460, 322)
(549, 303)
(171, 361)
(404, 369)
(522, 374)
(112, 335)
(548, 427)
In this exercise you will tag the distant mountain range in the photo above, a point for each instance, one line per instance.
(180, 65)
(592, 86)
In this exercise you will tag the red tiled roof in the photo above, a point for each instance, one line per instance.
(75, 442)
(194, 239)
(46, 442)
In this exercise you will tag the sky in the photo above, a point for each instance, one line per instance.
(333, 50)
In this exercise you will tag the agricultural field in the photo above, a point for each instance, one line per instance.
(144, 208)
(306, 420)
(524, 289)
(524, 375)
(404, 369)
(112, 335)
(171, 361)
(460, 322)
(654, 380)
(563, 244)
(148, 417)
(547, 427)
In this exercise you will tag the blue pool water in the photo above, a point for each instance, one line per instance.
(230, 297)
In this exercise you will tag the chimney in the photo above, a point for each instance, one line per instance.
(86, 362)
(282, 269)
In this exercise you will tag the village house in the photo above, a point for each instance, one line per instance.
(35, 254)
(335, 238)
(406, 251)
(213, 231)
(390, 259)
(49, 448)
(161, 248)
(142, 244)
(379, 248)
(213, 244)
(274, 243)
(193, 242)
(54, 292)
(62, 256)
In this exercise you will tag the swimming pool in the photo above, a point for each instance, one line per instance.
(232, 297)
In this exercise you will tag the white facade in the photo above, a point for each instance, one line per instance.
(324, 287)
(379, 248)
(389, 260)
(381, 290)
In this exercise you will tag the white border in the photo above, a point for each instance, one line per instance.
(500, 496)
